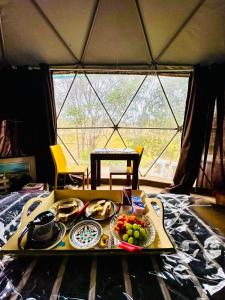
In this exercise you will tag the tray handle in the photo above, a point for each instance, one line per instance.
(25, 212)
(151, 212)
(158, 221)
(44, 204)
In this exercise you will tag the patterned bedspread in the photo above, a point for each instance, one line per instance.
(194, 271)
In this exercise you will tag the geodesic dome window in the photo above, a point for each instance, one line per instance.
(122, 110)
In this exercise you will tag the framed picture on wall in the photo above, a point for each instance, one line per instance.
(10, 167)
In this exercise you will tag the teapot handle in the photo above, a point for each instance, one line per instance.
(29, 228)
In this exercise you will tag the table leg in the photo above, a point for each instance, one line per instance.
(128, 176)
(135, 174)
(93, 174)
(98, 165)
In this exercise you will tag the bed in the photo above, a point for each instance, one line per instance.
(194, 271)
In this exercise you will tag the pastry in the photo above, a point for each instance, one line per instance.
(106, 209)
(97, 207)
(68, 206)
(100, 209)
(67, 210)
(64, 217)
(103, 241)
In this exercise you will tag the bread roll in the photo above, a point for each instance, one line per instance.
(67, 207)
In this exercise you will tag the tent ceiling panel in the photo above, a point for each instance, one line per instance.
(203, 39)
(112, 32)
(117, 35)
(161, 29)
(28, 38)
(72, 23)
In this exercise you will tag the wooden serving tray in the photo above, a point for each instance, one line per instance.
(161, 244)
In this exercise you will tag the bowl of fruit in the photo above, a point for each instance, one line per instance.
(134, 230)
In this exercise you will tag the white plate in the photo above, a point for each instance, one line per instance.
(150, 229)
(97, 217)
(69, 224)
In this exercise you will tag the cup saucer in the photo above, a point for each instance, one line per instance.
(59, 232)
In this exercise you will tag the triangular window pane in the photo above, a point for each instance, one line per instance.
(81, 142)
(115, 141)
(82, 107)
(153, 142)
(149, 108)
(165, 167)
(176, 91)
(62, 83)
(116, 91)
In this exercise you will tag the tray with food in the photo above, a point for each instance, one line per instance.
(90, 222)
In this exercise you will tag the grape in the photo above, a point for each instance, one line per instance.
(135, 241)
(135, 226)
(128, 226)
(130, 232)
(143, 233)
(136, 234)
(125, 237)
(130, 240)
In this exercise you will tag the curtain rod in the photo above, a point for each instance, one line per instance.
(111, 69)
(123, 68)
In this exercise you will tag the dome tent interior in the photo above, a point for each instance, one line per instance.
(154, 43)
(144, 33)
(105, 36)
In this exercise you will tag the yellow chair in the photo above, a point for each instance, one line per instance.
(128, 171)
(62, 168)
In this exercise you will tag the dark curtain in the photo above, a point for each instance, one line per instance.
(28, 116)
(211, 176)
(218, 163)
(196, 128)
(10, 137)
(47, 125)
(13, 99)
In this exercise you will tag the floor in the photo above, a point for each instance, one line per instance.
(206, 207)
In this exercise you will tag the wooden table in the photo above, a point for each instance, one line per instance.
(113, 154)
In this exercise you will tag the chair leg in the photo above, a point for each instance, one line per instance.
(56, 181)
(83, 181)
(110, 182)
(87, 179)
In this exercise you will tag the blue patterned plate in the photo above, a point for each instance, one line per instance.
(85, 234)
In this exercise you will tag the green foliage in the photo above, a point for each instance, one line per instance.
(148, 109)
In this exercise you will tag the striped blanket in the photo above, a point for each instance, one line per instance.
(194, 271)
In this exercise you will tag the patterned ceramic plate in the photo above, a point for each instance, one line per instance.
(85, 234)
